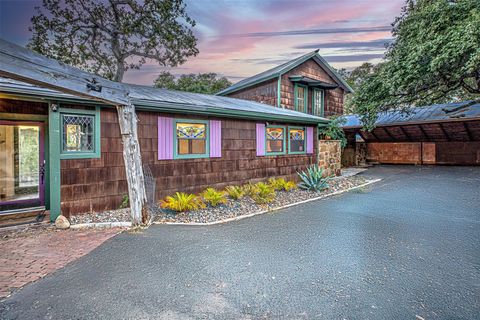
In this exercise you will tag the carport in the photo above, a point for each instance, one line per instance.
(437, 134)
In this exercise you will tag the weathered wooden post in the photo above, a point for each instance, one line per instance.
(127, 120)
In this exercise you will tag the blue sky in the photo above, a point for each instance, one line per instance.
(244, 37)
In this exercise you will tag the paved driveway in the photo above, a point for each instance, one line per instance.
(406, 249)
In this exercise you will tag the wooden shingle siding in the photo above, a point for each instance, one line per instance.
(23, 107)
(99, 184)
(265, 92)
(333, 98)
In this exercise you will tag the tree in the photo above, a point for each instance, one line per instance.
(110, 37)
(209, 83)
(355, 78)
(434, 58)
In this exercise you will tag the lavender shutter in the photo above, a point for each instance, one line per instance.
(260, 139)
(309, 139)
(215, 139)
(165, 138)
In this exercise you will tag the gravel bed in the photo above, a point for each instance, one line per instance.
(120, 215)
(247, 206)
(232, 209)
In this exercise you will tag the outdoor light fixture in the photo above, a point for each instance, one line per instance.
(54, 107)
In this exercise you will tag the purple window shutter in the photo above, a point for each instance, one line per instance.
(309, 139)
(215, 139)
(260, 139)
(165, 138)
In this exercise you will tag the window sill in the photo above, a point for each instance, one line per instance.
(80, 155)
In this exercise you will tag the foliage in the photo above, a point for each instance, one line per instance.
(214, 197)
(312, 179)
(110, 37)
(235, 192)
(281, 185)
(355, 78)
(249, 189)
(182, 202)
(435, 58)
(208, 83)
(334, 130)
(262, 193)
(125, 202)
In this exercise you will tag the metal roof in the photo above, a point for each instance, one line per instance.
(145, 97)
(433, 113)
(283, 68)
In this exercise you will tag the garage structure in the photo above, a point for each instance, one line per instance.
(438, 134)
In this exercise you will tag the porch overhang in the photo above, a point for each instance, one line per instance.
(313, 82)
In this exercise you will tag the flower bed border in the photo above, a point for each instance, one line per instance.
(368, 182)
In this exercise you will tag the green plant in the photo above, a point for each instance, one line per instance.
(280, 184)
(214, 197)
(182, 202)
(262, 193)
(235, 192)
(334, 130)
(312, 179)
(125, 202)
(249, 189)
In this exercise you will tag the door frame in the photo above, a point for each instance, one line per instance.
(42, 160)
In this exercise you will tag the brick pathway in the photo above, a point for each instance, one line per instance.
(30, 254)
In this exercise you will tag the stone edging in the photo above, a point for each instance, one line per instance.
(266, 211)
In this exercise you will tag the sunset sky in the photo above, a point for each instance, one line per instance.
(240, 38)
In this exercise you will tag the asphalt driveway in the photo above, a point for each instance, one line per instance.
(406, 248)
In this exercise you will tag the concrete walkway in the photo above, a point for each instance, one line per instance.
(406, 248)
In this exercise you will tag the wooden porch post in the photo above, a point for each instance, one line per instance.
(133, 164)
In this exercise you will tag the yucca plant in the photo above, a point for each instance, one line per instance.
(214, 197)
(262, 193)
(182, 202)
(235, 192)
(312, 179)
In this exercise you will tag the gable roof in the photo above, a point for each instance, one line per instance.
(283, 68)
(465, 110)
(162, 100)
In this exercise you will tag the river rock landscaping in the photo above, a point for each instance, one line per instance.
(246, 206)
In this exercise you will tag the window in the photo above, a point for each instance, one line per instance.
(275, 140)
(301, 94)
(80, 133)
(296, 140)
(191, 139)
(318, 102)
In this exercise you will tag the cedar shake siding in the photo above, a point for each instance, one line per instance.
(310, 71)
(333, 98)
(92, 185)
(265, 92)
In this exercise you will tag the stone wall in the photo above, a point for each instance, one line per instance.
(330, 156)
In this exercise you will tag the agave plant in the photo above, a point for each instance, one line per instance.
(312, 179)
(182, 202)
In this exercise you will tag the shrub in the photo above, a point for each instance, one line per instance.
(182, 202)
(334, 130)
(312, 179)
(214, 197)
(249, 189)
(235, 192)
(281, 184)
(262, 193)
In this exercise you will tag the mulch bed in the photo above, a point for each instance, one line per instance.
(246, 205)
(234, 208)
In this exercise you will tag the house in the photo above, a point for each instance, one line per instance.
(64, 152)
(306, 84)
(446, 134)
